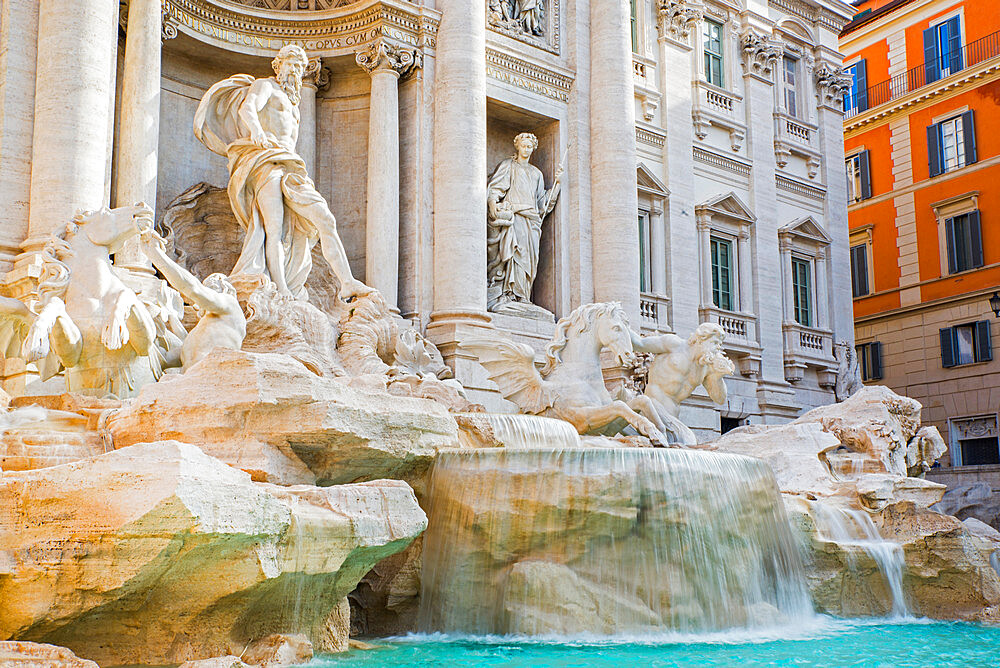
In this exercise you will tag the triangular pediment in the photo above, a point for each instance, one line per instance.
(648, 182)
(806, 228)
(728, 205)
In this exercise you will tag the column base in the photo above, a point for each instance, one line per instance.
(447, 329)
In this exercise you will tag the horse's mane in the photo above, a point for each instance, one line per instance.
(584, 317)
(55, 274)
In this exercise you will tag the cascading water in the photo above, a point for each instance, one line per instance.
(629, 540)
(530, 431)
(851, 528)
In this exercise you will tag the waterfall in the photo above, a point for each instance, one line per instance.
(527, 431)
(623, 540)
(852, 528)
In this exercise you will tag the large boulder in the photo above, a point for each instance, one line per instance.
(845, 472)
(159, 554)
(271, 417)
(14, 654)
(976, 500)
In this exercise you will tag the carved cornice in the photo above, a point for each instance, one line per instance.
(676, 18)
(381, 55)
(333, 32)
(650, 136)
(528, 75)
(831, 84)
(759, 53)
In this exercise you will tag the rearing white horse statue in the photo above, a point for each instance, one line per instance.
(570, 386)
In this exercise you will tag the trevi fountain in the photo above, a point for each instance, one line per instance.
(327, 339)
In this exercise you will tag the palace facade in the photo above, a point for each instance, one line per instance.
(701, 143)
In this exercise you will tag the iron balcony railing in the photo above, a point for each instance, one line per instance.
(923, 74)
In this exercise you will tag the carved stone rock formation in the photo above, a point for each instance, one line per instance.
(158, 553)
(15, 654)
(268, 415)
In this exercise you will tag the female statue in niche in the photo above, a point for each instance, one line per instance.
(517, 203)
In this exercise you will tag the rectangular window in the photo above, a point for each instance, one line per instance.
(802, 291)
(722, 273)
(859, 179)
(859, 271)
(943, 49)
(790, 77)
(856, 97)
(951, 144)
(870, 360)
(635, 28)
(975, 441)
(964, 238)
(966, 344)
(712, 46)
(645, 254)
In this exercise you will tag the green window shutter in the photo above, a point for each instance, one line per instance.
(984, 346)
(866, 176)
(969, 136)
(951, 242)
(947, 347)
(875, 354)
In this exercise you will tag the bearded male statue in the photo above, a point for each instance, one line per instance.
(517, 203)
(255, 124)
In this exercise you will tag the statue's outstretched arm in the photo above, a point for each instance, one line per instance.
(657, 345)
(183, 281)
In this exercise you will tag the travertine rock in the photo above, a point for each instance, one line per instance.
(158, 554)
(279, 649)
(14, 654)
(270, 416)
(215, 662)
(977, 500)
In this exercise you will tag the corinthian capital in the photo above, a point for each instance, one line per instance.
(831, 83)
(759, 53)
(381, 55)
(676, 18)
(316, 74)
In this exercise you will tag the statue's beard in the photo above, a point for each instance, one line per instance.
(291, 83)
(715, 359)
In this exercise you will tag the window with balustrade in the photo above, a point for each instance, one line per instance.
(722, 273)
(712, 34)
(802, 291)
(790, 85)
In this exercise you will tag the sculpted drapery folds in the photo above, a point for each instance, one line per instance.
(255, 124)
(517, 203)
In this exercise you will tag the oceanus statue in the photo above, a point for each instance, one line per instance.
(570, 385)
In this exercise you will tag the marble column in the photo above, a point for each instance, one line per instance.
(18, 57)
(744, 261)
(315, 78)
(459, 176)
(384, 62)
(139, 127)
(614, 201)
(658, 239)
(70, 146)
(704, 226)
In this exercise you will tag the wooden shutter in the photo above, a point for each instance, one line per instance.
(975, 231)
(969, 134)
(934, 149)
(875, 354)
(954, 45)
(932, 70)
(984, 347)
(947, 347)
(949, 234)
(866, 175)
(861, 83)
(859, 270)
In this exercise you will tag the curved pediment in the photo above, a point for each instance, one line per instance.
(325, 28)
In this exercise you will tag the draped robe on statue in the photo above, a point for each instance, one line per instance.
(513, 249)
(217, 125)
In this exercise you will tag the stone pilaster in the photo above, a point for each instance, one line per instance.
(614, 201)
(73, 111)
(316, 77)
(658, 239)
(385, 63)
(18, 56)
(704, 226)
(460, 175)
(139, 127)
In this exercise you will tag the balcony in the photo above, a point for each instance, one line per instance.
(806, 346)
(719, 107)
(654, 312)
(741, 336)
(915, 78)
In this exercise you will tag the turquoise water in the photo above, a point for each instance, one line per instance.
(826, 642)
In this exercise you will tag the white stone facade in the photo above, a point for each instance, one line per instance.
(418, 100)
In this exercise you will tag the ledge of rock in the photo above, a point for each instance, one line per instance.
(14, 654)
(269, 416)
(158, 554)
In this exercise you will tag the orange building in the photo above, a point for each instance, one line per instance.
(922, 147)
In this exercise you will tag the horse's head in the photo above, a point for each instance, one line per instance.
(110, 228)
(613, 331)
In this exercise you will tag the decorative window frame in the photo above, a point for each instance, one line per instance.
(949, 208)
(653, 198)
(954, 447)
(712, 105)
